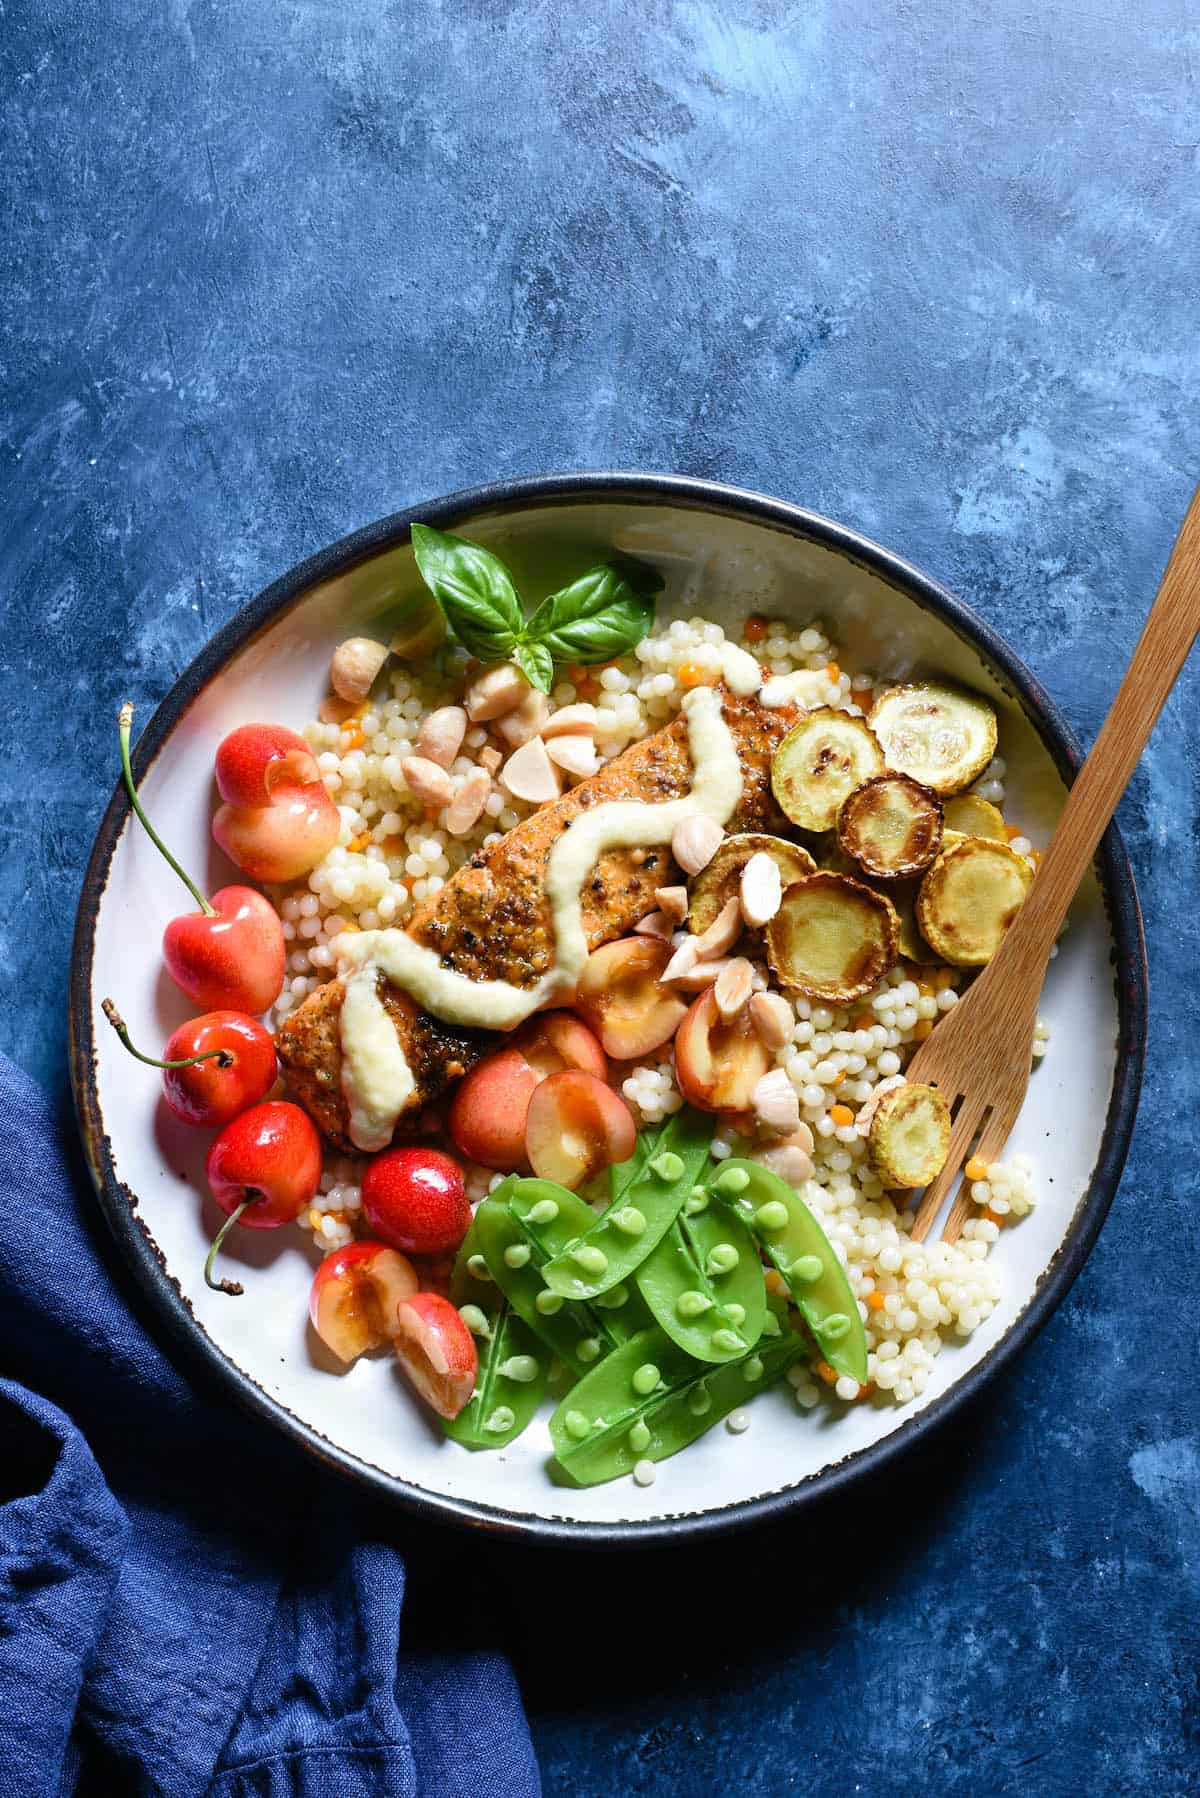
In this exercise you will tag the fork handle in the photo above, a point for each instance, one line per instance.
(1168, 635)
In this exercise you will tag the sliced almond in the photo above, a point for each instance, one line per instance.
(525, 721)
(355, 664)
(569, 721)
(441, 734)
(699, 975)
(722, 933)
(530, 774)
(657, 924)
(426, 781)
(761, 889)
(733, 986)
(790, 1161)
(776, 1101)
(674, 901)
(695, 842)
(490, 759)
(682, 962)
(575, 754)
(773, 1018)
(494, 692)
(862, 1122)
(467, 805)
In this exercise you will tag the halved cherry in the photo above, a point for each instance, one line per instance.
(576, 1127)
(437, 1351)
(620, 996)
(487, 1118)
(355, 1297)
(719, 1062)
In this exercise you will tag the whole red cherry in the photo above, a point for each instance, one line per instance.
(263, 1168)
(415, 1200)
(213, 1066)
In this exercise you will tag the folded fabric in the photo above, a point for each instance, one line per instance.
(189, 1604)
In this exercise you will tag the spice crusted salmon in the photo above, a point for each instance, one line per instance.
(491, 921)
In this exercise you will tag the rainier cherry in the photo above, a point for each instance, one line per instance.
(415, 1200)
(213, 1066)
(263, 1168)
(278, 819)
(437, 1351)
(356, 1294)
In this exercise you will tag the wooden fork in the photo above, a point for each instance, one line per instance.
(980, 1054)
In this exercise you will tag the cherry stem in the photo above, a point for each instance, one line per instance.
(222, 1057)
(124, 720)
(232, 1287)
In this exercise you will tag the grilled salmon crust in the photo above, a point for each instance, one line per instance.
(491, 921)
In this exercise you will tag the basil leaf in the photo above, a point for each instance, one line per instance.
(474, 590)
(597, 617)
(536, 664)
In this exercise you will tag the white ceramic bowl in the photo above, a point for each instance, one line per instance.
(724, 553)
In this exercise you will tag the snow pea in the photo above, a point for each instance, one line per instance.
(517, 1236)
(513, 1364)
(593, 1426)
(715, 1315)
(636, 1222)
(621, 1173)
(795, 1243)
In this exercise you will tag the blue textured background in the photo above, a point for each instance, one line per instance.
(273, 268)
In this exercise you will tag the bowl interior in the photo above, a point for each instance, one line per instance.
(722, 564)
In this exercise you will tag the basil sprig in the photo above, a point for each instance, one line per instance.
(599, 616)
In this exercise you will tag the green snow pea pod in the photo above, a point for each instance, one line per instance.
(649, 1143)
(619, 1241)
(715, 1315)
(796, 1244)
(593, 1426)
(513, 1364)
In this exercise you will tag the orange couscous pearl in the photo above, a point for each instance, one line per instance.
(976, 1169)
(755, 628)
(841, 1114)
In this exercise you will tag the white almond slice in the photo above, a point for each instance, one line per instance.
(466, 807)
(722, 933)
(440, 736)
(355, 664)
(657, 924)
(426, 781)
(761, 889)
(490, 759)
(776, 1101)
(570, 721)
(681, 963)
(575, 754)
(695, 842)
(699, 975)
(773, 1018)
(494, 692)
(674, 901)
(790, 1160)
(862, 1122)
(530, 774)
(733, 987)
(525, 721)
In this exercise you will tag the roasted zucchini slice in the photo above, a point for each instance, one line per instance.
(909, 1137)
(824, 756)
(943, 736)
(715, 885)
(972, 816)
(969, 898)
(913, 947)
(891, 826)
(832, 938)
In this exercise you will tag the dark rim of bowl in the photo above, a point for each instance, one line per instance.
(456, 509)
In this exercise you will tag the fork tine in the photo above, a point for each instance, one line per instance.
(962, 1132)
(993, 1139)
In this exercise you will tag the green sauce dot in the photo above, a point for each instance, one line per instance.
(722, 1259)
(807, 1269)
(589, 1348)
(772, 1216)
(629, 1220)
(639, 1437)
(613, 1299)
(668, 1165)
(517, 1254)
(478, 1266)
(576, 1425)
(590, 1259)
(836, 1325)
(521, 1368)
(501, 1419)
(698, 1400)
(736, 1315)
(645, 1378)
(692, 1304)
(544, 1212)
(697, 1201)
(548, 1302)
(475, 1320)
(733, 1179)
(728, 1341)
(752, 1368)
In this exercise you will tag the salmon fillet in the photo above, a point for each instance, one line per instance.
(491, 921)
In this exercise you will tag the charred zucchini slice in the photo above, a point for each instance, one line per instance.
(824, 756)
(969, 898)
(913, 947)
(943, 736)
(972, 816)
(832, 938)
(909, 1137)
(715, 885)
(891, 826)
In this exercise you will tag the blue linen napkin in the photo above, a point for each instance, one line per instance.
(189, 1604)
